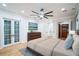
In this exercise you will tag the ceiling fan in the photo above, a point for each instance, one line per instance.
(42, 14)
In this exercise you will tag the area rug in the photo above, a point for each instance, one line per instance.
(27, 52)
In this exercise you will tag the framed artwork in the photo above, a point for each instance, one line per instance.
(32, 26)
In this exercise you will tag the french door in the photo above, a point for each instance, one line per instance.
(11, 32)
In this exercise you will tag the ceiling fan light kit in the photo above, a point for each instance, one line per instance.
(63, 9)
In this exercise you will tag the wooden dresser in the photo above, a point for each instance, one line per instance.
(33, 35)
(77, 32)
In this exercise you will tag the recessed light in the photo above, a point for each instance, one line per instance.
(22, 11)
(63, 10)
(4, 5)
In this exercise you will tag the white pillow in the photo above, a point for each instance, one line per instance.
(75, 36)
(75, 45)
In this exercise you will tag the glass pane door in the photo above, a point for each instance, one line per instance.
(7, 32)
(16, 31)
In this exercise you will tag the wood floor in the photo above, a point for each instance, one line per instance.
(13, 50)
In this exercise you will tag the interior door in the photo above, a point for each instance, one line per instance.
(63, 31)
(11, 32)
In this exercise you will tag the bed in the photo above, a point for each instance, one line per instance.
(49, 47)
(59, 50)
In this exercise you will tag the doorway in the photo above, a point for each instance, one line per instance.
(11, 32)
(63, 31)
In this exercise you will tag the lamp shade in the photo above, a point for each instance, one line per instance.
(71, 32)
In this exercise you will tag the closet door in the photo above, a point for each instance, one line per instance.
(7, 32)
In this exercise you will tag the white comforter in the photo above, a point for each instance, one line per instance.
(50, 47)
(59, 50)
(43, 46)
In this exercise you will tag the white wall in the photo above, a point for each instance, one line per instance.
(23, 24)
(63, 20)
(46, 27)
(50, 27)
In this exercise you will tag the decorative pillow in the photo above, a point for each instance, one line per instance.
(75, 45)
(69, 41)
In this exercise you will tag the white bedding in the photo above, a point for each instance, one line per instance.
(51, 46)
(31, 44)
(46, 47)
(42, 46)
(59, 50)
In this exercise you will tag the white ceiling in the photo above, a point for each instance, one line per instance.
(28, 7)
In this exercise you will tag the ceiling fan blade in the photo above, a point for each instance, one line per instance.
(45, 17)
(49, 12)
(49, 15)
(35, 12)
